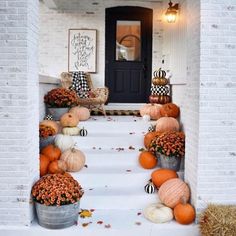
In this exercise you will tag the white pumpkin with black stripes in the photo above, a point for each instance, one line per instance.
(149, 188)
(83, 132)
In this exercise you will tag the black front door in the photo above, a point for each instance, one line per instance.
(128, 54)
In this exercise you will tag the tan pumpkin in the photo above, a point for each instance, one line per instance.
(74, 158)
(82, 113)
(71, 131)
(184, 213)
(50, 123)
(149, 137)
(69, 120)
(170, 109)
(44, 162)
(172, 191)
(153, 110)
(57, 167)
(165, 124)
(160, 176)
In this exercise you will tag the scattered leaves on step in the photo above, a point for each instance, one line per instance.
(120, 149)
(100, 222)
(92, 210)
(131, 148)
(85, 213)
(86, 224)
(138, 223)
(90, 189)
(139, 213)
(107, 226)
(141, 149)
(132, 133)
(128, 170)
(86, 166)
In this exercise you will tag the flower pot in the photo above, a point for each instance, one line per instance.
(57, 217)
(46, 141)
(172, 163)
(57, 112)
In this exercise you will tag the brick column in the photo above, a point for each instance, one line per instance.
(211, 102)
(18, 109)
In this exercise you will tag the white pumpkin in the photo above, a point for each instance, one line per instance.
(74, 159)
(64, 142)
(71, 131)
(158, 213)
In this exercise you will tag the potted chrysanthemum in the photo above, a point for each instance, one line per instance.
(170, 148)
(57, 200)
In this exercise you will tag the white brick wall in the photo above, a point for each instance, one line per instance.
(18, 109)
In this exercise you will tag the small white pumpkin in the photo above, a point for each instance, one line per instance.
(71, 131)
(74, 159)
(158, 213)
(64, 142)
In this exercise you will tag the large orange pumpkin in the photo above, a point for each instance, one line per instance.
(82, 113)
(50, 123)
(153, 110)
(170, 109)
(167, 124)
(160, 176)
(149, 137)
(147, 160)
(172, 191)
(69, 120)
(44, 162)
(52, 152)
(184, 213)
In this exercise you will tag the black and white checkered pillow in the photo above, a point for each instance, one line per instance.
(159, 90)
(80, 84)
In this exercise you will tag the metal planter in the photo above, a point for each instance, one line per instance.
(172, 163)
(57, 112)
(46, 141)
(57, 217)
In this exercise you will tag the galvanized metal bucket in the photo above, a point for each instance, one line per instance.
(46, 141)
(172, 163)
(57, 217)
(57, 112)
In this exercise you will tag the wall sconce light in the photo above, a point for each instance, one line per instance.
(171, 13)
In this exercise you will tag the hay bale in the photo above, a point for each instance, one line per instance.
(218, 220)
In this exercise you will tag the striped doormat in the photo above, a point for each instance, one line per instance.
(117, 113)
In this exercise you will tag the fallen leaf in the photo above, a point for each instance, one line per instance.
(107, 226)
(94, 147)
(128, 170)
(131, 148)
(132, 133)
(100, 148)
(100, 222)
(91, 189)
(120, 149)
(85, 213)
(86, 166)
(86, 224)
(138, 223)
(92, 210)
(141, 149)
(139, 213)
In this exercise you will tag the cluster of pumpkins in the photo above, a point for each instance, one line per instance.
(61, 155)
(173, 192)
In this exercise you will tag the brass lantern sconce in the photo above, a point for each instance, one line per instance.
(171, 13)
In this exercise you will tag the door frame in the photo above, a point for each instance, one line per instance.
(149, 35)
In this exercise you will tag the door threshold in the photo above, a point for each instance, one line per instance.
(124, 106)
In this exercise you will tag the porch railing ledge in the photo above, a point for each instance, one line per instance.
(46, 79)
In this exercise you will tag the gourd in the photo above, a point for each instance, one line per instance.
(172, 191)
(170, 110)
(149, 137)
(153, 110)
(83, 132)
(50, 123)
(184, 213)
(147, 160)
(158, 213)
(74, 159)
(71, 131)
(69, 120)
(161, 81)
(167, 124)
(57, 167)
(160, 176)
(149, 188)
(44, 162)
(52, 152)
(82, 113)
(64, 142)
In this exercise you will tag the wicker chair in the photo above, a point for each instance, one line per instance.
(93, 103)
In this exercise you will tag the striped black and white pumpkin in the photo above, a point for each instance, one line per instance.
(48, 117)
(83, 132)
(149, 188)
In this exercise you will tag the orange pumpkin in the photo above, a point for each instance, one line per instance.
(170, 109)
(50, 123)
(44, 162)
(172, 191)
(52, 152)
(82, 113)
(160, 176)
(149, 137)
(184, 213)
(153, 110)
(57, 167)
(165, 124)
(69, 120)
(147, 160)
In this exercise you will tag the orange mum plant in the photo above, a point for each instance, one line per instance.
(57, 189)
(45, 131)
(171, 143)
(61, 97)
